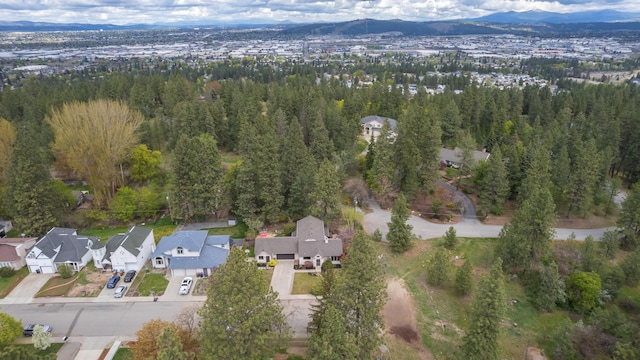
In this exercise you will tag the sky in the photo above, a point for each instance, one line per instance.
(122, 12)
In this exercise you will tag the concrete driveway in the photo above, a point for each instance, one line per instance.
(27, 289)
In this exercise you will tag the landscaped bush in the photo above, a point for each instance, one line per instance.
(65, 271)
(7, 272)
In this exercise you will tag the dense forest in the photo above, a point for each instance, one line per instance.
(269, 147)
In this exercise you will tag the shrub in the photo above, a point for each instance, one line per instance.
(65, 271)
(7, 272)
(377, 235)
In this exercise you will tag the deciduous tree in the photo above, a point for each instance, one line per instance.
(242, 317)
(93, 138)
(145, 163)
(400, 235)
(481, 341)
(10, 329)
(146, 345)
(41, 338)
(583, 289)
(170, 346)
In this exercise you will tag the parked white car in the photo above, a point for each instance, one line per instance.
(186, 285)
(120, 291)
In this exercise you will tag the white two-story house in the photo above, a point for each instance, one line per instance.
(128, 251)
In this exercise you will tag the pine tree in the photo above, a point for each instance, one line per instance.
(438, 267)
(494, 190)
(481, 341)
(197, 177)
(629, 220)
(400, 235)
(332, 341)
(30, 199)
(359, 295)
(242, 317)
(170, 346)
(450, 238)
(464, 281)
(325, 198)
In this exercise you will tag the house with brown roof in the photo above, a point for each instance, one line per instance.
(308, 245)
(14, 250)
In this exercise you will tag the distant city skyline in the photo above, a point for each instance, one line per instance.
(124, 12)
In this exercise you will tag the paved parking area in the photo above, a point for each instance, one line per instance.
(282, 279)
(27, 289)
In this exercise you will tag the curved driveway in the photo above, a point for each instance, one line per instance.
(467, 227)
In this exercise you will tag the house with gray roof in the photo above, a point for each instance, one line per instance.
(308, 245)
(128, 251)
(191, 252)
(372, 124)
(454, 155)
(60, 246)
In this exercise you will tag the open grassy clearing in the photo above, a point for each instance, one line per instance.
(443, 316)
(162, 227)
(53, 349)
(237, 231)
(7, 284)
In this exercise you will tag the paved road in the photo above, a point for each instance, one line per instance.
(378, 219)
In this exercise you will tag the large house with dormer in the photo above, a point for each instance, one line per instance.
(128, 251)
(60, 246)
(308, 245)
(191, 252)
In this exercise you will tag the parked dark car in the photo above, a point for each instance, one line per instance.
(28, 330)
(129, 276)
(113, 281)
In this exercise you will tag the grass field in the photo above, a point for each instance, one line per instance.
(7, 284)
(443, 317)
(303, 283)
(162, 227)
(236, 232)
(152, 282)
(53, 349)
(123, 354)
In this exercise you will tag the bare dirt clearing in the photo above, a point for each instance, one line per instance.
(400, 316)
(96, 280)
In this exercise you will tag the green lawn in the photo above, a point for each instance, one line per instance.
(162, 227)
(53, 349)
(7, 284)
(156, 282)
(236, 232)
(303, 283)
(53, 286)
(123, 354)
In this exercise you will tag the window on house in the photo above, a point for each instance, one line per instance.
(260, 257)
(307, 258)
(180, 251)
(335, 258)
(159, 261)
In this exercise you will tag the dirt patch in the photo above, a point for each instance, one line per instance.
(422, 206)
(535, 354)
(400, 316)
(96, 280)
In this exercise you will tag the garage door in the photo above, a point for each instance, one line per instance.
(46, 269)
(285, 256)
(178, 272)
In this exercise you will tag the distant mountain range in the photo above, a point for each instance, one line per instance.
(497, 23)
(557, 18)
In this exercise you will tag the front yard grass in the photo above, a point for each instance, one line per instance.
(32, 352)
(123, 353)
(304, 283)
(152, 282)
(7, 284)
(57, 286)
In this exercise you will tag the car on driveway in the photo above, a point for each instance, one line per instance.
(28, 330)
(120, 291)
(185, 286)
(113, 282)
(129, 276)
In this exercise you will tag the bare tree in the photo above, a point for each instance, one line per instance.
(93, 138)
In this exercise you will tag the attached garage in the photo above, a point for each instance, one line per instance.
(286, 256)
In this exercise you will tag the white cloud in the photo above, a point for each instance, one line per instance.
(207, 11)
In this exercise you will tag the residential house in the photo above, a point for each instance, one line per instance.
(309, 245)
(5, 227)
(128, 251)
(191, 252)
(454, 155)
(60, 246)
(14, 250)
(372, 124)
